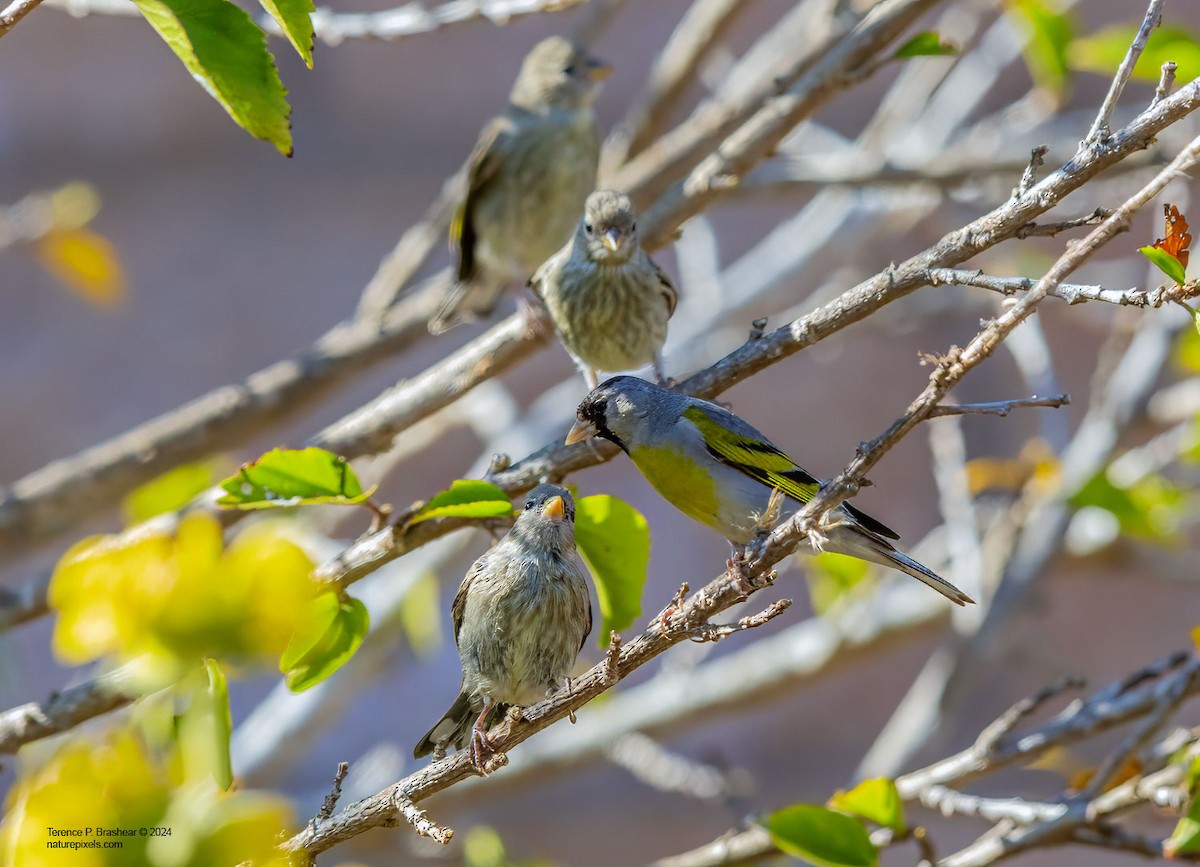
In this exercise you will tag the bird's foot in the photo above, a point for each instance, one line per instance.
(664, 617)
(483, 752)
(743, 581)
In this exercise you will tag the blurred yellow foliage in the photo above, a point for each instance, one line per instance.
(84, 262)
(115, 792)
(165, 598)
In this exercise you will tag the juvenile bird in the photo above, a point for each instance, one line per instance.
(608, 300)
(717, 469)
(520, 619)
(527, 178)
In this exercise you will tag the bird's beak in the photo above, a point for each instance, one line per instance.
(598, 70)
(583, 430)
(612, 239)
(555, 509)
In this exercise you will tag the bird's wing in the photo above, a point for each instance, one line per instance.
(460, 598)
(670, 294)
(485, 161)
(590, 623)
(539, 276)
(736, 444)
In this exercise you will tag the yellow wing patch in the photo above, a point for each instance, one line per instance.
(758, 459)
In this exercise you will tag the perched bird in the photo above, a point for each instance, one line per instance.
(520, 619)
(717, 469)
(527, 178)
(608, 300)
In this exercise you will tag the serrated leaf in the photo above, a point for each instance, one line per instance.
(1049, 33)
(226, 52)
(332, 635)
(294, 18)
(1166, 263)
(614, 540)
(84, 262)
(822, 836)
(465, 498)
(169, 492)
(1103, 51)
(293, 477)
(876, 801)
(927, 44)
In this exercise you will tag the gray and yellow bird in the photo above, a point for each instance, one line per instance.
(520, 619)
(719, 470)
(527, 179)
(608, 300)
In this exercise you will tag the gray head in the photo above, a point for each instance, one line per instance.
(609, 227)
(558, 74)
(625, 410)
(548, 519)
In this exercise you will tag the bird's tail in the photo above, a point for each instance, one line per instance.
(466, 301)
(453, 728)
(855, 541)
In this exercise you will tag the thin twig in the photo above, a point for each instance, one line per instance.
(14, 12)
(1166, 81)
(998, 407)
(1099, 132)
(330, 802)
(1072, 293)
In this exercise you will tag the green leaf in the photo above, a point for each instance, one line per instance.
(1049, 33)
(333, 633)
(1103, 51)
(1151, 508)
(295, 20)
(927, 44)
(293, 477)
(831, 576)
(822, 836)
(1166, 263)
(465, 498)
(874, 800)
(169, 492)
(614, 540)
(226, 52)
(206, 725)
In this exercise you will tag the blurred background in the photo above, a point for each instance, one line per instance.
(236, 257)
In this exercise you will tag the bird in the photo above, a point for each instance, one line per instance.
(719, 470)
(527, 178)
(521, 617)
(607, 299)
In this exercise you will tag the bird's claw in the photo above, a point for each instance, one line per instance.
(743, 582)
(483, 753)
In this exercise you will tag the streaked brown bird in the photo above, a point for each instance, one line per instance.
(608, 300)
(527, 179)
(520, 619)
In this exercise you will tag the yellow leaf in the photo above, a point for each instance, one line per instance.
(1196, 637)
(86, 263)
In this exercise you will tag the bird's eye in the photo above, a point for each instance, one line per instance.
(589, 228)
(569, 70)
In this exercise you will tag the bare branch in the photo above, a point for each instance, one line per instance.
(695, 35)
(1031, 230)
(1072, 293)
(14, 12)
(64, 710)
(999, 407)
(1099, 132)
(1166, 81)
(330, 802)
